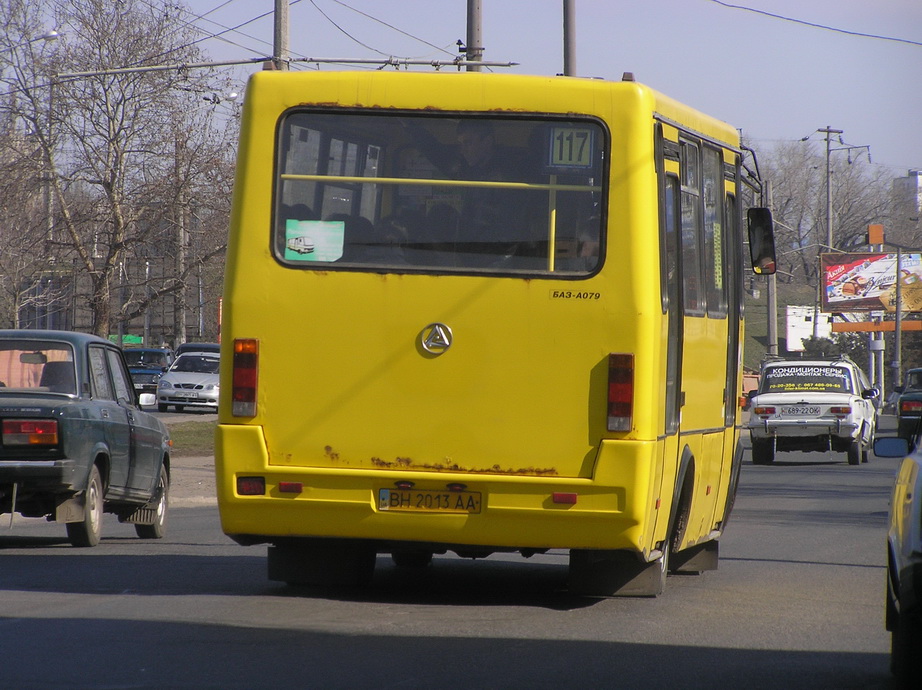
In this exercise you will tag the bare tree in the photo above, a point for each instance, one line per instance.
(27, 267)
(860, 196)
(118, 145)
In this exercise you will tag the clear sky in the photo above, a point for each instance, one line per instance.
(776, 79)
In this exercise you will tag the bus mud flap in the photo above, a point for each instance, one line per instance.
(614, 574)
(322, 562)
(695, 559)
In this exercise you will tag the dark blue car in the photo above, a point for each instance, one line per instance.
(146, 364)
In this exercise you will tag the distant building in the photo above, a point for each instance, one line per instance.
(907, 199)
(801, 326)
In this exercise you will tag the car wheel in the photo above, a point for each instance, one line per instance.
(905, 660)
(162, 408)
(157, 529)
(763, 452)
(854, 452)
(87, 531)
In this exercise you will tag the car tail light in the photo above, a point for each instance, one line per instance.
(844, 410)
(245, 371)
(911, 406)
(763, 410)
(620, 392)
(30, 432)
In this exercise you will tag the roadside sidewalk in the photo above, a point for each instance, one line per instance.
(192, 481)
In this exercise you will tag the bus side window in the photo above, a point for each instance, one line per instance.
(692, 266)
(714, 235)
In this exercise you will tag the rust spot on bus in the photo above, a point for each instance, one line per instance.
(330, 453)
(448, 466)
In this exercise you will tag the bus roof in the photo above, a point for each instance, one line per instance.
(483, 92)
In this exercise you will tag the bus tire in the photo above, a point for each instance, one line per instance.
(616, 574)
(322, 562)
(735, 469)
(763, 452)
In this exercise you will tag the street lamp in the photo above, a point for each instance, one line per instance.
(47, 36)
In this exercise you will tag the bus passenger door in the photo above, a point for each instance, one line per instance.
(670, 281)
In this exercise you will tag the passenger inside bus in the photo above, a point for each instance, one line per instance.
(492, 221)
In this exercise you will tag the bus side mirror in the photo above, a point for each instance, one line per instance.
(761, 241)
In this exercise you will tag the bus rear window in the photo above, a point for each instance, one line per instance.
(411, 192)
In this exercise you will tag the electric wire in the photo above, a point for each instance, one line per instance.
(825, 27)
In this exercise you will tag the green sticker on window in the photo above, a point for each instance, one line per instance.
(314, 240)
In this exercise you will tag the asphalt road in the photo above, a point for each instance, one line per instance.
(797, 603)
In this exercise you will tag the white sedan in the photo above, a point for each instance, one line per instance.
(823, 405)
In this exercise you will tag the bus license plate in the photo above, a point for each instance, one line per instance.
(801, 411)
(428, 501)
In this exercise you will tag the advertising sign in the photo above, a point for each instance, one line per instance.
(867, 282)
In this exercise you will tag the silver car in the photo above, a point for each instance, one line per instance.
(191, 381)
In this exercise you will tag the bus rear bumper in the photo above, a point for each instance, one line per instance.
(514, 513)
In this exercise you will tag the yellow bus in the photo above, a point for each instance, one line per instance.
(480, 313)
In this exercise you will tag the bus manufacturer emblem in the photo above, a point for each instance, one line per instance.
(436, 338)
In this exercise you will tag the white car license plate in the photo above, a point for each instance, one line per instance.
(801, 411)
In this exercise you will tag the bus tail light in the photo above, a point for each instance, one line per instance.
(30, 432)
(251, 486)
(620, 392)
(246, 368)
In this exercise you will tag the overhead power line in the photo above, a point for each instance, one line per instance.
(817, 26)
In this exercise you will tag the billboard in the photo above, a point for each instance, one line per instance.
(867, 282)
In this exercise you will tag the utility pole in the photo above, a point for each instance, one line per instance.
(569, 38)
(474, 35)
(280, 55)
(829, 131)
(898, 325)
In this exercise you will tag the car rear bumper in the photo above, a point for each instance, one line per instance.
(37, 476)
(769, 428)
